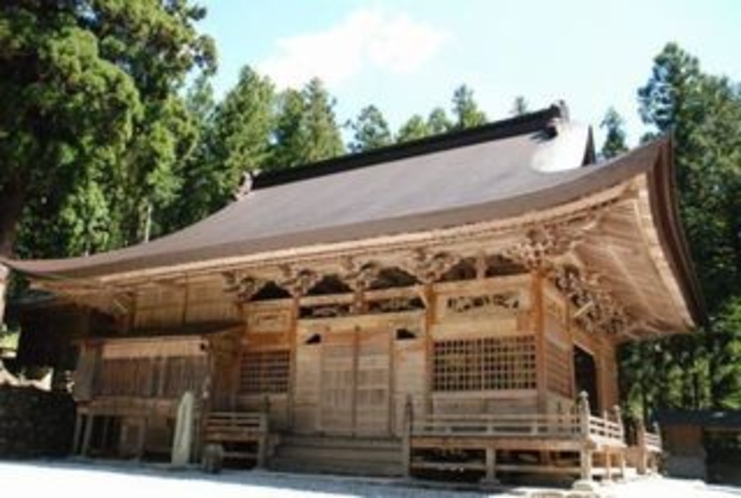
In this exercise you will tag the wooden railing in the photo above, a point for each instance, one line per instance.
(649, 447)
(605, 429)
(575, 424)
(576, 431)
(652, 440)
(535, 425)
(241, 430)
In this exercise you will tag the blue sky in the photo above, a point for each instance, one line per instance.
(407, 56)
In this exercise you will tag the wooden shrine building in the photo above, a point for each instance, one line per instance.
(430, 306)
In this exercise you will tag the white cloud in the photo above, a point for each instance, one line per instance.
(366, 38)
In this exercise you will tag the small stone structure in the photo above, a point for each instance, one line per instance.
(35, 423)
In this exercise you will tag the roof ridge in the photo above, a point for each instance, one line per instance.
(505, 128)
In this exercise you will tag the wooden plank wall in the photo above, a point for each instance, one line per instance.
(559, 351)
(172, 305)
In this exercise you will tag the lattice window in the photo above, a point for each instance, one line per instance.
(264, 372)
(485, 364)
(559, 369)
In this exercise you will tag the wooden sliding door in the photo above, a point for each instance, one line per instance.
(356, 383)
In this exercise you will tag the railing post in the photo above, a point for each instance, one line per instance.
(406, 450)
(586, 451)
(660, 446)
(621, 452)
(619, 419)
(583, 411)
(657, 431)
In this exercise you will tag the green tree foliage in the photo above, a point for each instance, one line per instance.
(614, 144)
(195, 196)
(726, 344)
(519, 106)
(703, 112)
(320, 123)
(414, 128)
(306, 128)
(90, 122)
(240, 135)
(234, 138)
(438, 122)
(466, 112)
(370, 130)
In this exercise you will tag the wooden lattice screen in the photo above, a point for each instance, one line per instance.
(126, 377)
(265, 372)
(167, 377)
(489, 363)
(183, 373)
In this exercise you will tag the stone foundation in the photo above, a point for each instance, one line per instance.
(35, 423)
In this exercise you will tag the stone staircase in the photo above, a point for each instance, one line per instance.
(338, 455)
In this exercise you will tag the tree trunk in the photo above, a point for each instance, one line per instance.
(735, 237)
(11, 205)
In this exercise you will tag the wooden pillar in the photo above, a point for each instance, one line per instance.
(78, 433)
(89, 420)
(429, 299)
(355, 377)
(641, 443)
(293, 366)
(406, 447)
(538, 324)
(142, 440)
(586, 464)
(491, 466)
(603, 376)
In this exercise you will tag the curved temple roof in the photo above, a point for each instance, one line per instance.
(496, 171)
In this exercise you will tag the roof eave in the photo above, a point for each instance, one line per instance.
(664, 205)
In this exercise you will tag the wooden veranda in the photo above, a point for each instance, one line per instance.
(490, 443)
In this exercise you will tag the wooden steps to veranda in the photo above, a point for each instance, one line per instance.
(339, 455)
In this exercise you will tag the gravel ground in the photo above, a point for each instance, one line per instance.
(105, 480)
